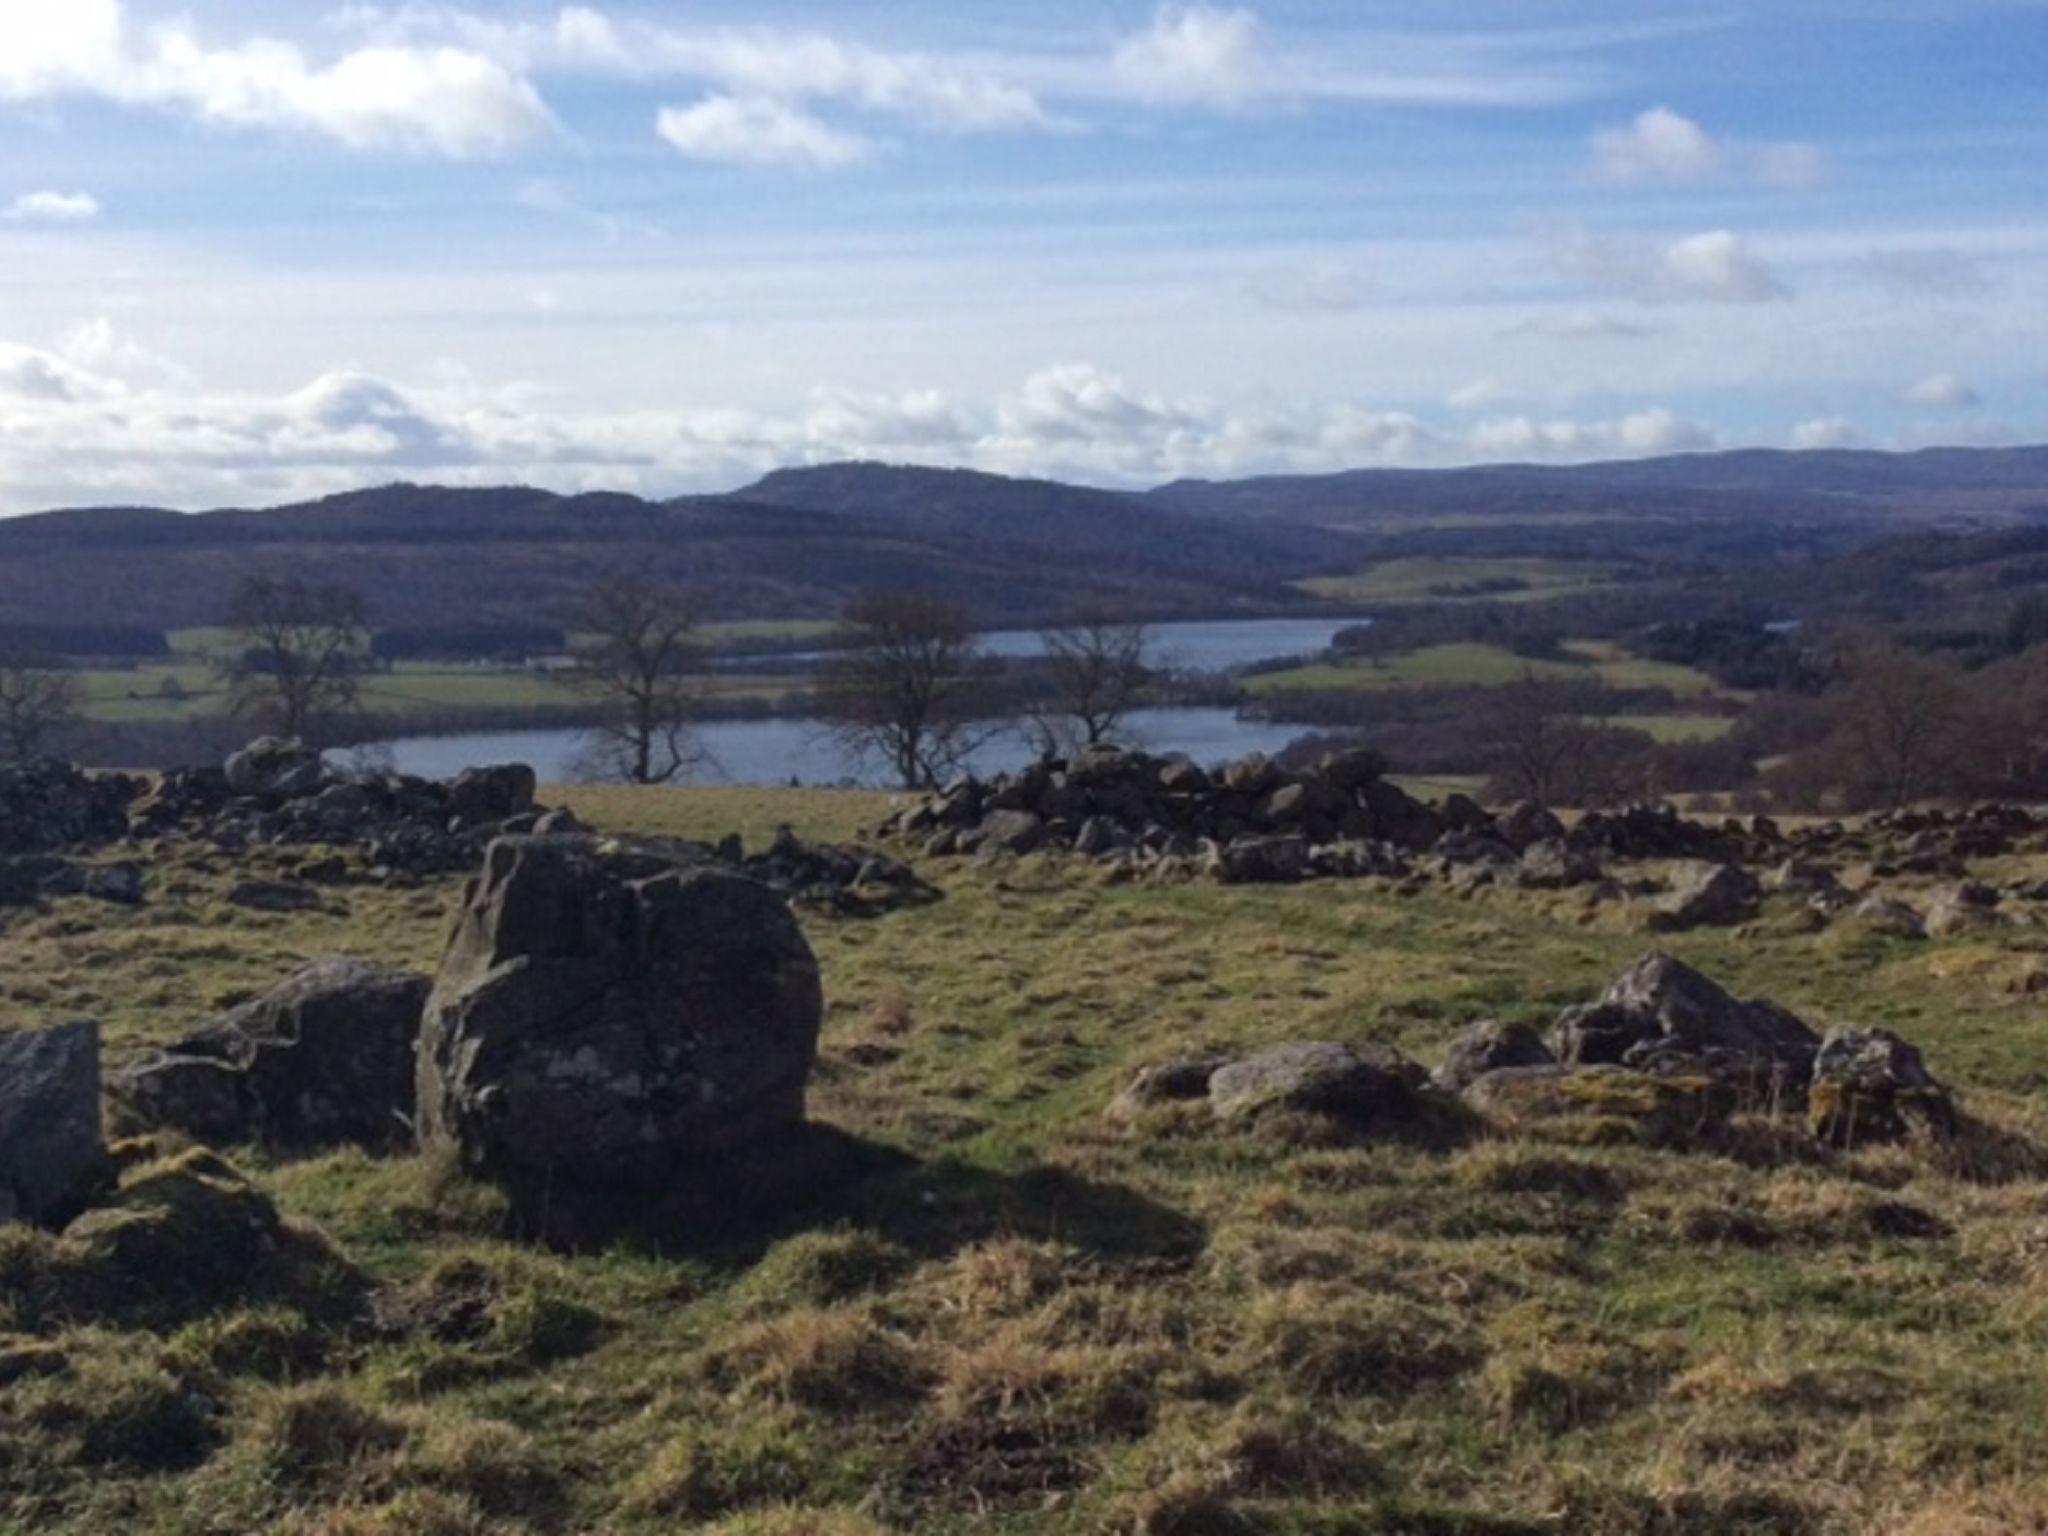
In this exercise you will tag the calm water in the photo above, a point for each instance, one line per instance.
(1214, 645)
(775, 751)
(1208, 645)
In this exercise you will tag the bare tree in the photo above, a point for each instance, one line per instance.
(39, 697)
(911, 688)
(1098, 670)
(298, 655)
(1543, 742)
(1902, 724)
(635, 645)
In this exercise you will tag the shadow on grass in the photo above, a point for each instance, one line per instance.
(819, 1177)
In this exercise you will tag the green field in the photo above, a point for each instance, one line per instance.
(1470, 664)
(1024, 1316)
(1433, 579)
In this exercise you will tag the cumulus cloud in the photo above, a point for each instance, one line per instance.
(1640, 434)
(1193, 54)
(758, 130)
(1716, 264)
(1940, 270)
(445, 100)
(1944, 392)
(1663, 146)
(54, 207)
(1660, 145)
(1826, 432)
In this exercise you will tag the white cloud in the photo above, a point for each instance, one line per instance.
(1193, 54)
(758, 130)
(1720, 265)
(1643, 433)
(1660, 145)
(449, 101)
(1945, 392)
(99, 418)
(1941, 270)
(54, 207)
(1826, 432)
(1714, 264)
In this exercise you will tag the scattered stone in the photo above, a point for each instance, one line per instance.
(1526, 823)
(1720, 895)
(324, 1058)
(275, 896)
(1869, 1085)
(1554, 865)
(119, 883)
(274, 768)
(602, 1016)
(1489, 1046)
(1181, 1080)
(1661, 1013)
(490, 796)
(1361, 1085)
(1964, 908)
(1889, 916)
(47, 804)
(50, 1148)
(1263, 861)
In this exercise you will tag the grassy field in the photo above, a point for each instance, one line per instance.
(1439, 579)
(139, 694)
(1474, 665)
(1026, 1317)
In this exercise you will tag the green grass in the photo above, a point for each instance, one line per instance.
(1041, 1320)
(1436, 579)
(1471, 664)
(1675, 728)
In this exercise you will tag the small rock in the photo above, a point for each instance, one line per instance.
(1720, 895)
(1357, 1084)
(1869, 1085)
(275, 896)
(1488, 1046)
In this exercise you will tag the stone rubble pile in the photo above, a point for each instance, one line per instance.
(1664, 1055)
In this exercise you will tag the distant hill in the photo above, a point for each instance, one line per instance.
(801, 542)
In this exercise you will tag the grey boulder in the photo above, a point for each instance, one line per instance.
(324, 1058)
(605, 1017)
(50, 1148)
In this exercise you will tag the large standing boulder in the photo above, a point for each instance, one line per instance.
(1869, 1085)
(603, 1016)
(1661, 1010)
(324, 1058)
(275, 768)
(50, 1149)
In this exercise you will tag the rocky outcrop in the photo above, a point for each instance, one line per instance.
(324, 1058)
(604, 1017)
(1661, 1014)
(47, 805)
(1869, 1085)
(50, 1148)
(1604, 1105)
(1358, 1089)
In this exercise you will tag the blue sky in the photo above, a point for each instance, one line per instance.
(251, 251)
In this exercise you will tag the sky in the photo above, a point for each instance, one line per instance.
(252, 251)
